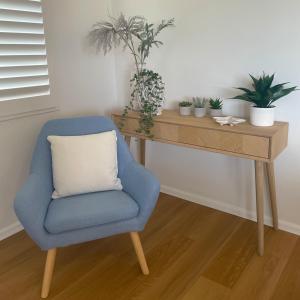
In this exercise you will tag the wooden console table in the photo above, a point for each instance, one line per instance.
(261, 144)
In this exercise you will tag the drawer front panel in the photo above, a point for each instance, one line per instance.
(205, 138)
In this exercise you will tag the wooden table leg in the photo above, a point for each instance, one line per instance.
(272, 192)
(259, 183)
(142, 151)
(128, 139)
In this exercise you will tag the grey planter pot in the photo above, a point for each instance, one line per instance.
(185, 111)
(200, 112)
(216, 112)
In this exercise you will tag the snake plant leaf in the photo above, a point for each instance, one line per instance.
(278, 87)
(243, 89)
(264, 94)
(283, 92)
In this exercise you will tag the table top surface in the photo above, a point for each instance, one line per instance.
(173, 117)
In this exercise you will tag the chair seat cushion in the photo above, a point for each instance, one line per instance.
(88, 210)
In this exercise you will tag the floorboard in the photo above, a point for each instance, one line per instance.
(193, 253)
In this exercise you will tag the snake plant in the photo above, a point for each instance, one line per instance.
(264, 94)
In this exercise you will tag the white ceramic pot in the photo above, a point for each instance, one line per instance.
(216, 112)
(262, 116)
(185, 110)
(200, 112)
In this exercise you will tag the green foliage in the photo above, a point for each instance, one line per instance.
(135, 33)
(139, 36)
(149, 87)
(185, 104)
(198, 102)
(216, 103)
(264, 94)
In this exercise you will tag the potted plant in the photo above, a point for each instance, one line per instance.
(185, 108)
(215, 105)
(263, 96)
(199, 107)
(138, 36)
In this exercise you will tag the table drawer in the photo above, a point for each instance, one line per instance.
(211, 139)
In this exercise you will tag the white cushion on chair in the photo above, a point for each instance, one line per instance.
(84, 164)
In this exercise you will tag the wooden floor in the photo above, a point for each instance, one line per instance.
(193, 252)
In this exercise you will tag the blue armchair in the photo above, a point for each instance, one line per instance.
(72, 220)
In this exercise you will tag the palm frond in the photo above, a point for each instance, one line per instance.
(104, 36)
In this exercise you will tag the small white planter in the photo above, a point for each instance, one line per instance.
(185, 110)
(262, 116)
(200, 112)
(216, 112)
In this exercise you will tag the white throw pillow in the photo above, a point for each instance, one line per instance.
(84, 164)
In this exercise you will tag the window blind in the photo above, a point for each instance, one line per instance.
(23, 57)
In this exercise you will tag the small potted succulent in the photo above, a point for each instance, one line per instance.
(199, 107)
(262, 113)
(185, 108)
(215, 105)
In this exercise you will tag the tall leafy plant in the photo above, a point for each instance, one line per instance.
(138, 36)
(264, 94)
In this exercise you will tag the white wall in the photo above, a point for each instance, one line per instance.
(81, 83)
(213, 47)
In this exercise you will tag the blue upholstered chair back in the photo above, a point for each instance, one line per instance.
(41, 161)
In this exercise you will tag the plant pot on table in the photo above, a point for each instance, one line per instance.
(261, 116)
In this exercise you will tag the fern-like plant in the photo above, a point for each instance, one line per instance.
(264, 94)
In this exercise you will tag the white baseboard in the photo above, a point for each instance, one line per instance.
(10, 230)
(196, 198)
(228, 208)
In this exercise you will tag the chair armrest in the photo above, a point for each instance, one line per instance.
(142, 186)
(31, 206)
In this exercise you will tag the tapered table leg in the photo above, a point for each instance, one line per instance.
(143, 151)
(272, 192)
(259, 183)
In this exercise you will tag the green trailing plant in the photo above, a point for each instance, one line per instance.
(151, 97)
(264, 94)
(215, 103)
(139, 36)
(185, 104)
(198, 102)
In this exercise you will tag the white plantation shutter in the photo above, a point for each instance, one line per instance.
(23, 57)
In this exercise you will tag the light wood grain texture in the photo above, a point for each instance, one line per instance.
(233, 258)
(244, 140)
(205, 289)
(272, 193)
(288, 286)
(259, 186)
(191, 251)
(260, 278)
(48, 272)
(139, 252)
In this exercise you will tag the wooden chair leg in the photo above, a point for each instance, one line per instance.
(139, 252)
(48, 272)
